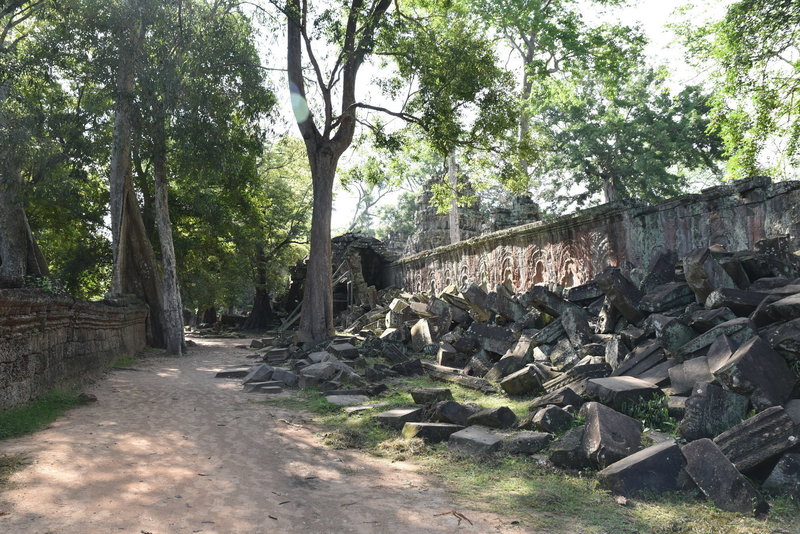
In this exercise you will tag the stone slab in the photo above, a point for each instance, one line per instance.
(475, 441)
(430, 432)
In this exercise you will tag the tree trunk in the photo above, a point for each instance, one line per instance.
(19, 254)
(610, 188)
(452, 177)
(316, 321)
(135, 270)
(261, 314)
(173, 308)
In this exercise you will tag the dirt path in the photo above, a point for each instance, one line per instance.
(170, 449)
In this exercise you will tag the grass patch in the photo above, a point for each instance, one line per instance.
(126, 361)
(9, 464)
(29, 418)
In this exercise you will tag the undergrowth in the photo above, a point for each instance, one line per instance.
(525, 488)
(29, 418)
(9, 463)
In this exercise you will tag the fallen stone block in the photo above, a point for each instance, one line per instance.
(316, 373)
(671, 332)
(577, 377)
(476, 297)
(759, 438)
(720, 352)
(610, 436)
(660, 271)
(667, 297)
(525, 442)
(420, 335)
(256, 344)
(786, 308)
(456, 376)
(759, 372)
(785, 476)
(584, 293)
(563, 397)
(545, 300)
(505, 367)
(428, 395)
(321, 357)
(549, 334)
(705, 320)
(621, 292)
(234, 372)
(525, 381)
(719, 480)
(738, 330)
(616, 351)
(398, 417)
(505, 307)
(711, 410)
(619, 392)
(501, 417)
(270, 386)
(452, 412)
(785, 339)
(276, 355)
(704, 274)
(642, 358)
(563, 355)
(450, 357)
(676, 406)
(568, 451)
(656, 469)
(683, 377)
(577, 327)
(409, 368)
(288, 378)
(739, 301)
(260, 373)
(552, 419)
(430, 432)
(347, 400)
(494, 339)
(475, 441)
(478, 365)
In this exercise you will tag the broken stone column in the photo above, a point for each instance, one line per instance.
(759, 438)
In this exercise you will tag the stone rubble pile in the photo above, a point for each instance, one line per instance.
(713, 337)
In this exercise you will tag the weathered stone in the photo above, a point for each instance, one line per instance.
(457, 375)
(758, 371)
(667, 297)
(786, 339)
(259, 373)
(610, 436)
(256, 344)
(430, 432)
(400, 334)
(563, 397)
(420, 335)
(720, 352)
(234, 372)
(476, 297)
(322, 356)
(671, 332)
(270, 386)
(552, 419)
(641, 359)
(759, 438)
(578, 375)
(793, 410)
(505, 307)
(316, 373)
(616, 351)
(683, 377)
(563, 355)
(704, 274)
(785, 476)
(737, 330)
(711, 410)
(452, 412)
(719, 480)
(549, 334)
(501, 417)
(705, 320)
(398, 417)
(492, 338)
(506, 366)
(621, 292)
(568, 451)
(619, 392)
(428, 395)
(478, 365)
(525, 442)
(347, 400)
(676, 405)
(739, 301)
(584, 293)
(286, 376)
(409, 368)
(577, 327)
(522, 348)
(660, 271)
(475, 441)
(450, 357)
(525, 381)
(656, 469)
(345, 351)
(547, 301)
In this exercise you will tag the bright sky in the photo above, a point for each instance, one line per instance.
(652, 15)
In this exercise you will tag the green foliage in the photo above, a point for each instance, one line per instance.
(629, 138)
(755, 59)
(653, 413)
(29, 418)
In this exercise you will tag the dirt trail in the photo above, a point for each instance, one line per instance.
(170, 449)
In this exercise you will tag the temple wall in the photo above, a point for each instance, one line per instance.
(49, 341)
(571, 250)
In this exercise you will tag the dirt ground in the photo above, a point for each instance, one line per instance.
(170, 449)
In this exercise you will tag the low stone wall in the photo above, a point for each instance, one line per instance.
(571, 250)
(49, 341)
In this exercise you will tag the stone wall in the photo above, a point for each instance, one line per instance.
(49, 341)
(571, 250)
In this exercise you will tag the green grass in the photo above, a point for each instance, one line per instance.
(29, 418)
(539, 497)
(126, 361)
